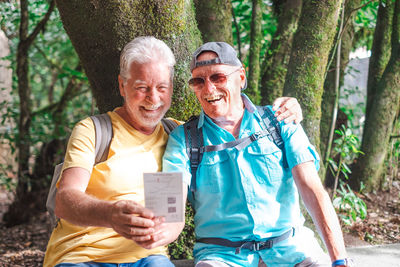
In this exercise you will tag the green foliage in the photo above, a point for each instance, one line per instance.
(345, 149)
(6, 180)
(349, 206)
(346, 145)
(243, 13)
(347, 203)
(182, 248)
(364, 24)
(52, 65)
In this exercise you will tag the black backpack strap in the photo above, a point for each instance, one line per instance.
(194, 147)
(104, 133)
(169, 125)
(272, 126)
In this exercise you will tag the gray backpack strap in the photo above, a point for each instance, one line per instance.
(272, 126)
(239, 144)
(169, 125)
(103, 132)
(103, 129)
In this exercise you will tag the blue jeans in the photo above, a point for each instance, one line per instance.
(150, 261)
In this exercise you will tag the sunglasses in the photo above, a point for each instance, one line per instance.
(217, 79)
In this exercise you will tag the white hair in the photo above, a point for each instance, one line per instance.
(143, 50)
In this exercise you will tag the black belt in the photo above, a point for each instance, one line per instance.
(252, 245)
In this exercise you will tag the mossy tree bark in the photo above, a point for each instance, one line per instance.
(380, 52)
(214, 19)
(100, 29)
(277, 57)
(329, 93)
(379, 123)
(306, 72)
(254, 55)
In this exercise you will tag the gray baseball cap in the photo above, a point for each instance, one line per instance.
(226, 54)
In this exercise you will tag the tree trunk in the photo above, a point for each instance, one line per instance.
(100, 29)
(277, 57)
(379, 124)
(254, 56)
(214, 19)
(18, 212)
(329, 94)
(308, 60)
(380, 52)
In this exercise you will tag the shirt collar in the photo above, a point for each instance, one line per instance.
(248, 105)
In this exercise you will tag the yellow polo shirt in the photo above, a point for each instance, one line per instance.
(119, 177)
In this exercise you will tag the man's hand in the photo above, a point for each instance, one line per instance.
(132, 221)
(164, 234)
(287, 109)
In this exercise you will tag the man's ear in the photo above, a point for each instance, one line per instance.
(242, 77)
(121, 86)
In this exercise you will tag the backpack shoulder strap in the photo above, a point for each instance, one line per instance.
(169, 125)
(104, 133)
(272, 126)
(194, 147)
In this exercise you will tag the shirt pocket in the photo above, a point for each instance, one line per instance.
(266, 160)
(213, 168)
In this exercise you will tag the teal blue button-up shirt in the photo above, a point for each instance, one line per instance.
(243, 194)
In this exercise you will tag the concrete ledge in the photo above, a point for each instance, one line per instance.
(382, 256)
(183, 263)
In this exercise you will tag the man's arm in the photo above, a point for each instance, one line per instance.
(128, 218)
(319, 206)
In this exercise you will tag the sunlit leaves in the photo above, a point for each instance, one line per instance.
(243, 13)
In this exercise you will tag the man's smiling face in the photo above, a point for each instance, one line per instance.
(219, 101)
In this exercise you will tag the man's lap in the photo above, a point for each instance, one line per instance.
(150, 261)
(288, 252)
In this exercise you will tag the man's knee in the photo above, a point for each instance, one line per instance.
(310, 262)
(154, 261)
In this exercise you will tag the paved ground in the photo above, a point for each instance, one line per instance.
(366, 256)
(381, 256)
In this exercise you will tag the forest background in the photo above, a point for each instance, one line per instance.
(64, 64)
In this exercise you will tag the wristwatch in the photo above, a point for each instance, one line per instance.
(346, 262)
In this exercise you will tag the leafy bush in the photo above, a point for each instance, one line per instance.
(349, 206)
(182, 248)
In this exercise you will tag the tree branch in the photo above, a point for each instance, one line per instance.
(41, 25)
(340, 34)
(55, 105)
(235, 23)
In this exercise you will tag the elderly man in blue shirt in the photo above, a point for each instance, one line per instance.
(246, 199)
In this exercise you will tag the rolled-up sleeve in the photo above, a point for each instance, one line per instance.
(175, 157)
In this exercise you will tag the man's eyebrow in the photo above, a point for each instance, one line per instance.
(139, 82)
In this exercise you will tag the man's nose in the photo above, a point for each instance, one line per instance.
(153, 95)
(208, 85)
